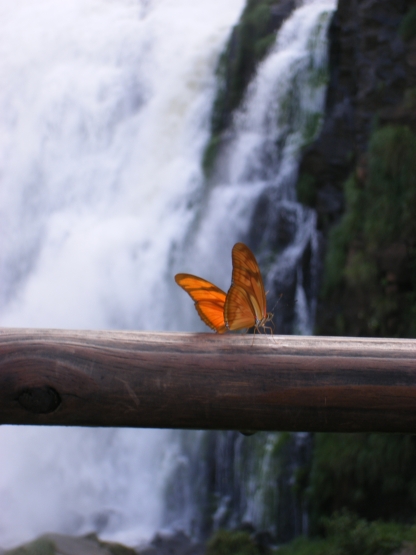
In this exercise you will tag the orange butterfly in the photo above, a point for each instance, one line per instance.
(244, 306)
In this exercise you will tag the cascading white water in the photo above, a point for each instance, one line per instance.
(104, 113)
(281, 113)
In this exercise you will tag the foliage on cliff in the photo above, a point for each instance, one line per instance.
(57, 544)
(370, 272)
(346, 534)
(360, 174)
(226, 542)
(370, 474)
(342, 534)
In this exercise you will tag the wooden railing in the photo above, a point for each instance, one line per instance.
(207, 381)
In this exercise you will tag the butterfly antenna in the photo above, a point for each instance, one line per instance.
(276, 303)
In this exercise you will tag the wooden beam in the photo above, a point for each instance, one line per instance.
(207, 381)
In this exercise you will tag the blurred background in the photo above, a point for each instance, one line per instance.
(141, 138)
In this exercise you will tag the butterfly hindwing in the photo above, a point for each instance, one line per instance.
(212, 313)
(209, 300)
(238, 310)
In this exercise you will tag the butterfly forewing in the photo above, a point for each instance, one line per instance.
(246, 274)
(209, 300)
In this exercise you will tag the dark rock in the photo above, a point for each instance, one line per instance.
(172, 544)
(372, 84)
(368, 75)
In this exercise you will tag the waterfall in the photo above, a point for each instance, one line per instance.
(104, 116)
(222, 478)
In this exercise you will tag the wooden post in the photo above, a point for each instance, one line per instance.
(207, 381)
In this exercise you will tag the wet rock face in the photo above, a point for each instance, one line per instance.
(368, 75)
(283, 236)
(173, 544)
(369, 119)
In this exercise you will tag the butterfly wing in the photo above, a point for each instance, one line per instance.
(238, 310)
(246, 300)
(209, 300)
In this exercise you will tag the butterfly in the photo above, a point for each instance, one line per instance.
(244, 306)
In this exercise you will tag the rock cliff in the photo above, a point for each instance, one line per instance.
(366, 140)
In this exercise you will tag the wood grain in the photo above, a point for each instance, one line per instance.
(207, 381)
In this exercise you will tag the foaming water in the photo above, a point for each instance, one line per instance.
(77, 481)
(104, 110)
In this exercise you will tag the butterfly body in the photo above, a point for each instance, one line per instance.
(244, 306)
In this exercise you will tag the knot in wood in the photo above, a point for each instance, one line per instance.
(40, 400)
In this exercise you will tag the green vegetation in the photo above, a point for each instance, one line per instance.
(370, 271)
(346, 534)
(350, 535)
(41, 546)
(248, 44)
(409, 101)
(210, 154)
(342, 534)
(47, 546)
(369, 474)
(311, 128)
(227, 542)
(305, 546)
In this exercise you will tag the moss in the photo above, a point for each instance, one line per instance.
(116, 548)
(307, 189)
(346, 534)
(41, 546)
(306, 546)
(311, 128)
(46, 546)
(248, 45)
(370, 474)
(226, 542)
(282, 439)
(262, 46)
(319, 77)
(409, 100)
(391, 187)
(210, 154)
(350, 535)
(369, 285)
(407, 28)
